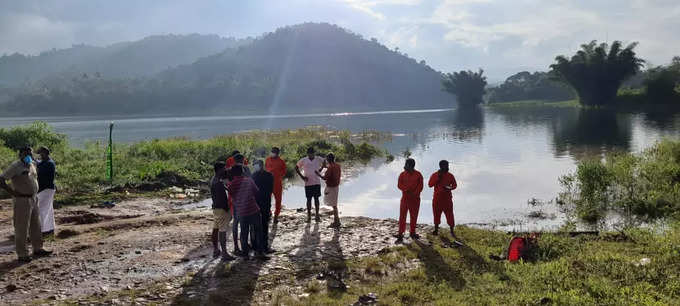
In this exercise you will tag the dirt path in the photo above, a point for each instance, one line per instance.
(154, 251)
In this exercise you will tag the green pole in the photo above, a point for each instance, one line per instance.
(109, 155)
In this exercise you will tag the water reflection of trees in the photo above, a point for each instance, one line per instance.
(467, 124)
(591, 132)
(576, 132)
(661, 119)
(418, 129)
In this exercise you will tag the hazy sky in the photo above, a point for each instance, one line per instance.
(501, 36)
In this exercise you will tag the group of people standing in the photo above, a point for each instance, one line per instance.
(243, 198)
(32, 192)
(239, 197)
(411, 185)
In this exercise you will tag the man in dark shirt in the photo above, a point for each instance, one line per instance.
(265, 185)
(221, 212)
(46, 191)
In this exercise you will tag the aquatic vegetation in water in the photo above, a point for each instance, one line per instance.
(639, 187)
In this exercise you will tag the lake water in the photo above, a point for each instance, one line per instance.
(501, 157)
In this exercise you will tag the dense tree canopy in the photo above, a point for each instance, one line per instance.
(530, 86)
(662, 83)
(597, 71)
(468, 86)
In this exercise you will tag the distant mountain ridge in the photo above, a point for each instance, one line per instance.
(296, 69)
(144, 57)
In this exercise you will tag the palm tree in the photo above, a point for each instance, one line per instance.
(597, 71)
(468, 86)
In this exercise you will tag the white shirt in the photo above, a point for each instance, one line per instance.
(308, 167)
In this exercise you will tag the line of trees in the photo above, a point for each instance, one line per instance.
(530, 86)
(595, 75)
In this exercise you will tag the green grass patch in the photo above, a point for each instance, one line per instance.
(582, 270)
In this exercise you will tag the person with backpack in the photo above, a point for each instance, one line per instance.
(411, 184)
(443, 183)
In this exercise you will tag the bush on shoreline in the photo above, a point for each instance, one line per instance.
(637, 187)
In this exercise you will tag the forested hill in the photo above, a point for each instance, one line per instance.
(303, 68)
(126, 59)
(315, 66)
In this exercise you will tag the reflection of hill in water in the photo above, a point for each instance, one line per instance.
(576, 132)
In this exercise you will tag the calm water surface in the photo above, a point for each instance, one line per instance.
(501, 157)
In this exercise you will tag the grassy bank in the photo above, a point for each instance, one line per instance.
(156, 164)
(536, 103)
(586, 270)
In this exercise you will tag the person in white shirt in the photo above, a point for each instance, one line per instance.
(309, 165)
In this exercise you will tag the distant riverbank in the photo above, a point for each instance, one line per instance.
(536, 103)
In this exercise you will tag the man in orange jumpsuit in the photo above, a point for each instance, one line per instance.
(277, 167)
(410, 184)
(442, 201)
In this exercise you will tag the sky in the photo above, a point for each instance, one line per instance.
(501, 36)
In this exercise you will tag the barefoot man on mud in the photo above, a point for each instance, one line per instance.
(411, 184)
(310, 164)
(275, 165)
(24, 189)
(442, 201)
(221, 212)
(332, 178)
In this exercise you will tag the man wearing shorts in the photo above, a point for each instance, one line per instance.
(332, 178)
(310, 165)
(221, 212)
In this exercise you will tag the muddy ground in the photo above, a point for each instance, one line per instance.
(157, 251)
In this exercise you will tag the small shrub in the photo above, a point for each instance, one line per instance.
(36, 134)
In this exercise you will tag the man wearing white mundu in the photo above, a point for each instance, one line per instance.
(46, 190)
